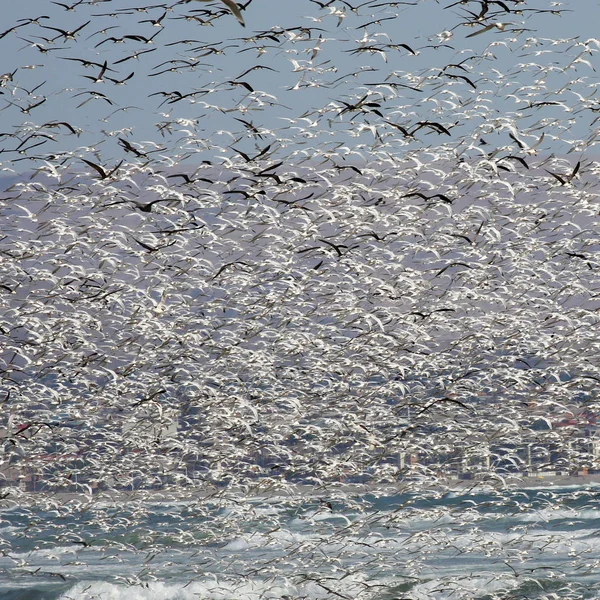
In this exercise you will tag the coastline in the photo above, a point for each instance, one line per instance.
(434, 485)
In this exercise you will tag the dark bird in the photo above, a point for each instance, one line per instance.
(435, 126)
(26, 110)
(61, 124)
(93, 95)
(247, 158)
(453, 264)
(68, 35)
(337, 247)
(143, 207)
(135, 56)
(70, 7)
(121, 81)
(128, 147)
(250, 127)
(100, 170)
(142, 38)
(442, 197)
(234, 8)
(187, 179)
(149, 248)
(87, 63)
(99, 77)
(446, 399)
(564, 179)
(517, 158)
(462, 77)
(156, 22)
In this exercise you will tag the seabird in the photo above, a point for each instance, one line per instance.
(233, 7)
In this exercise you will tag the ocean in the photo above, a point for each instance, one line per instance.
(478, 543)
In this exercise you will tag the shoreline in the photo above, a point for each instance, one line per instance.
(304, 491)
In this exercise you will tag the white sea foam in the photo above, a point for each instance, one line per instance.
(208, 589)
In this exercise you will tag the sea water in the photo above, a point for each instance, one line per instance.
(537, 543)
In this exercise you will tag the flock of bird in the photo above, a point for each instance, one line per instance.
(247, 259)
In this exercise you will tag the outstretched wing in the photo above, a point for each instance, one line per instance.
(233, 7)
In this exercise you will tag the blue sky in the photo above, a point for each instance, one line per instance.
(298, 74)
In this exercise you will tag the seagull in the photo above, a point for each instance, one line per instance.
(233, 7)
(295, 330)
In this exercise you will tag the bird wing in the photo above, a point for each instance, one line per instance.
(233, 7)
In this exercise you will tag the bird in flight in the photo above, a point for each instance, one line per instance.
(233, 7)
